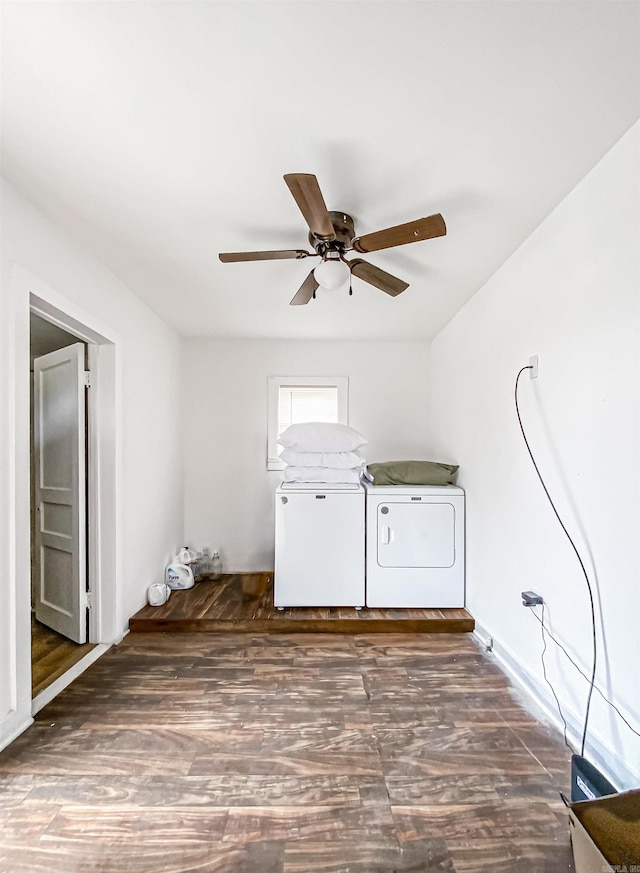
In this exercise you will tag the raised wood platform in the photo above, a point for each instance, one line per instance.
(243, 603)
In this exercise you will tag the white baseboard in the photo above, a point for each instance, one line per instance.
(539, 697)
(6, 741)
(51, 691)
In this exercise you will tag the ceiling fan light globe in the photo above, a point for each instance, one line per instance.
(331, 274)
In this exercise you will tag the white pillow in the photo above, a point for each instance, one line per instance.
(336, 460)
(316, 436)
(321, 474)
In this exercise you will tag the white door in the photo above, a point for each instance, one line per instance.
(416, 535)
(60, 491)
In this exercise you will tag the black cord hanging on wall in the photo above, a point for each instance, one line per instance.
(580, 561)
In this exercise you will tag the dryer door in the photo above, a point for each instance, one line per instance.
(416, 535)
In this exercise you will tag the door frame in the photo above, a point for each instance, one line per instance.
(100, 466)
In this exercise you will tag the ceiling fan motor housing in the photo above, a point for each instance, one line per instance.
(344, 227)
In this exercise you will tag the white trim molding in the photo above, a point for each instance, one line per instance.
(51, 691)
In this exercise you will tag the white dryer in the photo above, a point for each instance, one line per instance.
(415, 546)
(319, 550)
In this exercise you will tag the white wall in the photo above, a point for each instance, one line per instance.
(571, 295)
(148, 489)
(229, 493)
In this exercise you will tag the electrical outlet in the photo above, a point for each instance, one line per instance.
(533, 363)
(530, 598)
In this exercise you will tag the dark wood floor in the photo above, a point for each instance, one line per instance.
(51, 655)
(243, 603)
(286, 754)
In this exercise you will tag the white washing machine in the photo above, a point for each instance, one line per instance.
(320, 538)
(415, 546)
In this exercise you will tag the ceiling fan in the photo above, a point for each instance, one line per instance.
(332, 234)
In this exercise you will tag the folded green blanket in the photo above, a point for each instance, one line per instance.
(412, 473)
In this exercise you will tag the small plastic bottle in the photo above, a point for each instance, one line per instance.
(215, 566)
(197, 565)
(205, 563)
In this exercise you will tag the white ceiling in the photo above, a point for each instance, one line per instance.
(158, 134)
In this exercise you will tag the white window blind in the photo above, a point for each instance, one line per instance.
(300, 403)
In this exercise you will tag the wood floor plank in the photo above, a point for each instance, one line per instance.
(378, 856)
(546, 855)
(176, 856)
(316, 823)
(219, 790)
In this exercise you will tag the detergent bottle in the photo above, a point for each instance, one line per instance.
(179, 575)
(158, 593)
(186, 555)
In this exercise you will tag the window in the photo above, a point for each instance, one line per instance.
(296, 399)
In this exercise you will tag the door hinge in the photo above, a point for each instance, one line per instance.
(87, 600)
(87, 379)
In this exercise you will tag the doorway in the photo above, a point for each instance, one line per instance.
(60, 576)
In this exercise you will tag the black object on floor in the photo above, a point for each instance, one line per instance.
(587, 782)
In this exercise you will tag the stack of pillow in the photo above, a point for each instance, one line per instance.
(322, 452)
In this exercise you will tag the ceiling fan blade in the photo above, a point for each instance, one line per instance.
(307, 194)
(305, 291)
(401, 234)
(231, 257)
(377, 277)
